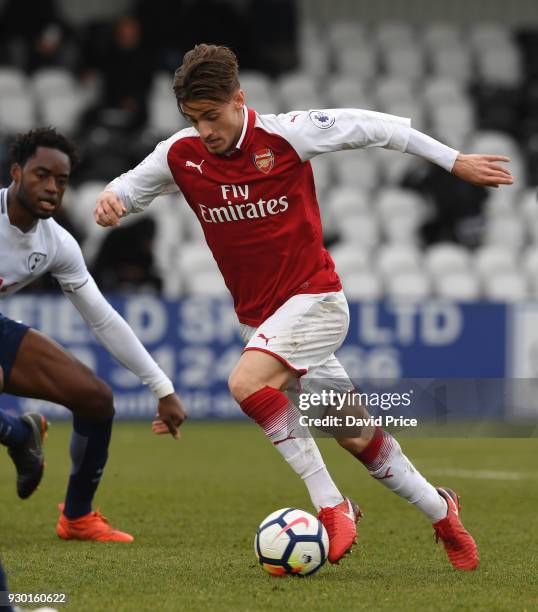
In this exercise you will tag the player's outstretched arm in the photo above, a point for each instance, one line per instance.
(109, 209)
(482, 170)
(170, 416)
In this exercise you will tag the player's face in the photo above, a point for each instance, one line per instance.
(218, 123)
(40, 184)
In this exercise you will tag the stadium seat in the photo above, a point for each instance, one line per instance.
(356, 169)
(394, 34)
(389, 90)
(12, 81)
(491, 259)
(413, 111)
(394, 259)
(436, 35)
(322, 168)
(506, 287)
(164, 117)
(458, 286)
(445, 258)
(17, 113)
(393, 166)
(62, 110)
(206, 283)
(502, 202)
(314, 58)
(451, 62)
(458, 118)
(359, 62)
(362, 230)
(500, 66)
(442, 90)
(401, 229)
(350, 258)
(362, 286)
(344, 92)
(404, 62)
(255, 83)
(396, 201)
(530, 262)
(52, 82)
(507, 231)
(298, 91)
(485, 36)
(346, 34)
(408, 286)
(348, 201)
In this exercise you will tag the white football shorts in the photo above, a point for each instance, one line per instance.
(303, 334)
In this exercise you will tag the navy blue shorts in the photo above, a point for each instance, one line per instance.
(11, 335)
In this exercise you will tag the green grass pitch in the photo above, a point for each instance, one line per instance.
(194, 506)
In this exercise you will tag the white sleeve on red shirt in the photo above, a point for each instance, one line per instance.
(320, 131)
(113, 332)
(151, 178)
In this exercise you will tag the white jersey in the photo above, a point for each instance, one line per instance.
(47, 247)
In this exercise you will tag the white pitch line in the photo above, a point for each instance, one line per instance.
(484, 474)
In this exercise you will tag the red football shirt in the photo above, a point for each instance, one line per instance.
(257, 204)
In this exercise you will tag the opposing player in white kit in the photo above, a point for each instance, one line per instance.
(248, 179)
(31, 244)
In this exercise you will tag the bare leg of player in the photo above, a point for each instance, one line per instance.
(256, 384)
(44, 370)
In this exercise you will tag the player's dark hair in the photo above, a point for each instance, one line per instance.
(208, 72)
(25, 145)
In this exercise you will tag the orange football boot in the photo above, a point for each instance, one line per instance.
(91, 526)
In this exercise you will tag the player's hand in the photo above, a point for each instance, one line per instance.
(109, 209)
(170, 416)
(482, 170)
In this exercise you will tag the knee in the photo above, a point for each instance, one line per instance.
(242, 385)
(353, 445)
(99, 401)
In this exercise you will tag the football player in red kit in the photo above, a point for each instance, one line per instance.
(248, 179)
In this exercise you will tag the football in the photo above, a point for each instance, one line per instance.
(291, 542)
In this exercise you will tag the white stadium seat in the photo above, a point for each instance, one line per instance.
(408, 286)
(362, 230)
(298, 91)
(62, 110)
(393, 259)
(17, 113)
(350, 258)
(506, 231)
(442, 90)
(491, 259)
(458, 286)
(362, 286)
(12, 81)
(401, 228)
(396, 201)
(348, 201)
(451, 62)
(322, 169)
(52, 81)
(506, 287)
(393, 89)
(345, 34)
(207, 284)
(359, 62)
(489, 36)
(164, 117)
(394, 34)
(404, 62)
(437, 35)
(356, 169)
(445, 258)
(344, 92)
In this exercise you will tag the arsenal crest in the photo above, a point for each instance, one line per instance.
(264, 160)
